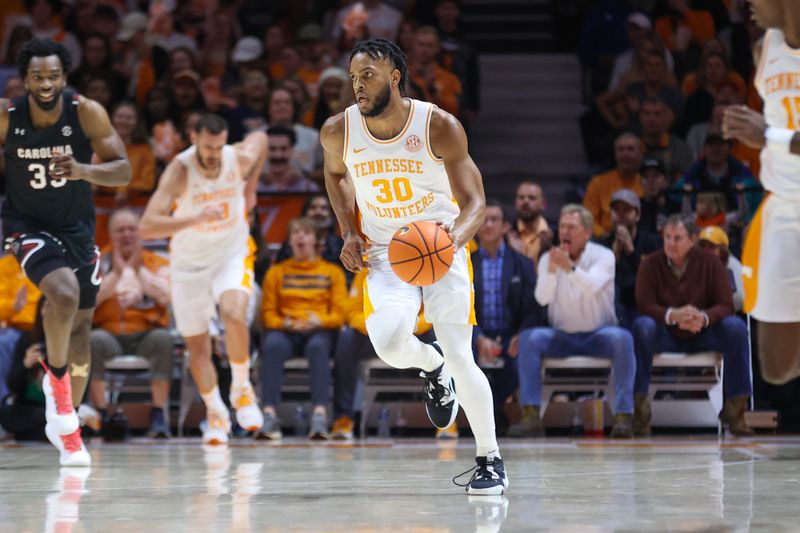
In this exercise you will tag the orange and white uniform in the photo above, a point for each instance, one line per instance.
(398, 181)
(771, 258)
(211, 258)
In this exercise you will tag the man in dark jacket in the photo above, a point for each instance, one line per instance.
(504, 304)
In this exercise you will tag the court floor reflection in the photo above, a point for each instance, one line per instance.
(383, 485)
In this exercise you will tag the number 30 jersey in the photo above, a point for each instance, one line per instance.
(33, 195)
(397, 181)
(778, 83)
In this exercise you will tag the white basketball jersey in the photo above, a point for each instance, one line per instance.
(211, 242)
(778, 83)
(399, 180)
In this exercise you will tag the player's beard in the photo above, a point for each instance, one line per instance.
(207, 164)
(381, 102)
(48, 106)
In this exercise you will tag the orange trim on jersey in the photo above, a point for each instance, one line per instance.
(396, 137)
(762, 59)
(249, 264)
(346, 135)
(473, 320)
(428, 137)
(750, 258)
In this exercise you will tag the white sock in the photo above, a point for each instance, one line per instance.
(472, 387)
(240, 374)
(213, 401)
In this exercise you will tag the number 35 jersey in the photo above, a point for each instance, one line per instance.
(778, 83)
(397, 181)
(34, 196)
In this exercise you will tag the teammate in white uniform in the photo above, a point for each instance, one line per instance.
(771, 257)
(211, 260)
(395, 161)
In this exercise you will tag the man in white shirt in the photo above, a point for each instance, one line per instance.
(576, 281)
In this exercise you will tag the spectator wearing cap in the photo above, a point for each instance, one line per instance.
(186, 90)
(629, 244)
(282, 176)
(530, 234)
(307, 153)
(719, 172)
(655, 202)
(714, 239)
(576, 282)
(245, 57)
(315, 56)
(628, 156)
(135, 56)
(333, 96)
(655, 118)
(383, 21)
(251, 112)
(435, 84)
(686, 303)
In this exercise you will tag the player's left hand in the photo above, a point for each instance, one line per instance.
(65, 166)
(448, 228)
(743, 124)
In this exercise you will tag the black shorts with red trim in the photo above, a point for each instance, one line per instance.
(40, 252)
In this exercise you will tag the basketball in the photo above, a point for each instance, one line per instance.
(421, 253)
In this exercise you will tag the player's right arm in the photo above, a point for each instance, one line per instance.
(157, 221)
(341, 192)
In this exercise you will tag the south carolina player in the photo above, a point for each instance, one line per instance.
(771, 256)
(211, 260)
(398, 161)
(48, 138)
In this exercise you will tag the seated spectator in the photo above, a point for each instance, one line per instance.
(22, 405)
(659, 142)
(251, 112)
(713, 239)
(274, 43)
(18, 298)
(686, 303)
(629, 65)
(245, 57)
(188, 97)
(333, 82)
(132, 316)
(531, 235)
(161, 120)
(628, 156)
(307, 152)
(504, 306)
(352, 347)
(302, 307)
(218, 39)
(436, 84)
(129, 125)
(98, 88)
(98, 62)
(629, 244)
(318, 209)
(281, 175)
(702, 88)
(302, 102)
(719, 172)
(655, 205)
(315, 56)
(576, 282)
(382, 19)
(45, 23)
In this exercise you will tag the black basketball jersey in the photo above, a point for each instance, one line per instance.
(33, 196)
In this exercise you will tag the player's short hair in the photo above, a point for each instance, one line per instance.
(587, 220)
(42, 48)
(285, 131)
(213, 124)
(494, 202)
(382, 49)
(687, 222)
(303, 224)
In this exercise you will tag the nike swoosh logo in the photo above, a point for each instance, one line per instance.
(358, 150)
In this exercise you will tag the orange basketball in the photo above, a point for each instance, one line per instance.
(421, 253)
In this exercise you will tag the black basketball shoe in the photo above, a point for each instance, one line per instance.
(441, 402)
(488, 477)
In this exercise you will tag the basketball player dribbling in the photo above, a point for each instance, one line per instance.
(771, 255)
(395, 160)
(211, 262)
(49, 136)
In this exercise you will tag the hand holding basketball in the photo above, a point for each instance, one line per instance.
(421, 253)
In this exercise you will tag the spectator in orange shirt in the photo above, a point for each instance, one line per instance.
(274, 41)
(628, 153)
(302, 307)
(132, 315)
(683, 26)
(436, 84)
(701, 88)
(18, 299)
(129, 125)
